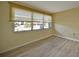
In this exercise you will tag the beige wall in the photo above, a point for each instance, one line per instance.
(67, 23)
(0, 28)
(9, 38)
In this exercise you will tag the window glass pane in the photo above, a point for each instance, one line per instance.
(47, 18)
(37, 17)
(22, 26)
(48, 25)
(21, 15)
(37, 25)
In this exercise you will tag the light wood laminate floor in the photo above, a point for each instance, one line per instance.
(49, 47)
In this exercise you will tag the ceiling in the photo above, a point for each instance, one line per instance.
(52, 6)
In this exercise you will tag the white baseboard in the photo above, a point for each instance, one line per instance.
(67, 38)
(25, 44)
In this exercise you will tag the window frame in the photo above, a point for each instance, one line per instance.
(13, 5)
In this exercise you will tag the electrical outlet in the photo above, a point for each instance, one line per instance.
(73, 34)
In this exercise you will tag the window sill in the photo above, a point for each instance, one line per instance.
(32, 30)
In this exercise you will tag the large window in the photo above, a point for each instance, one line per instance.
(25, 20)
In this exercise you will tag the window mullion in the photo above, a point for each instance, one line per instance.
(32, 22)
(43, 21)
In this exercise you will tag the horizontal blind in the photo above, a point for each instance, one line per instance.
(37, 17)
(21, 14)
(47, 18)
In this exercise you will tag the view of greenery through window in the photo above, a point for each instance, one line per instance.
(26, 20)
